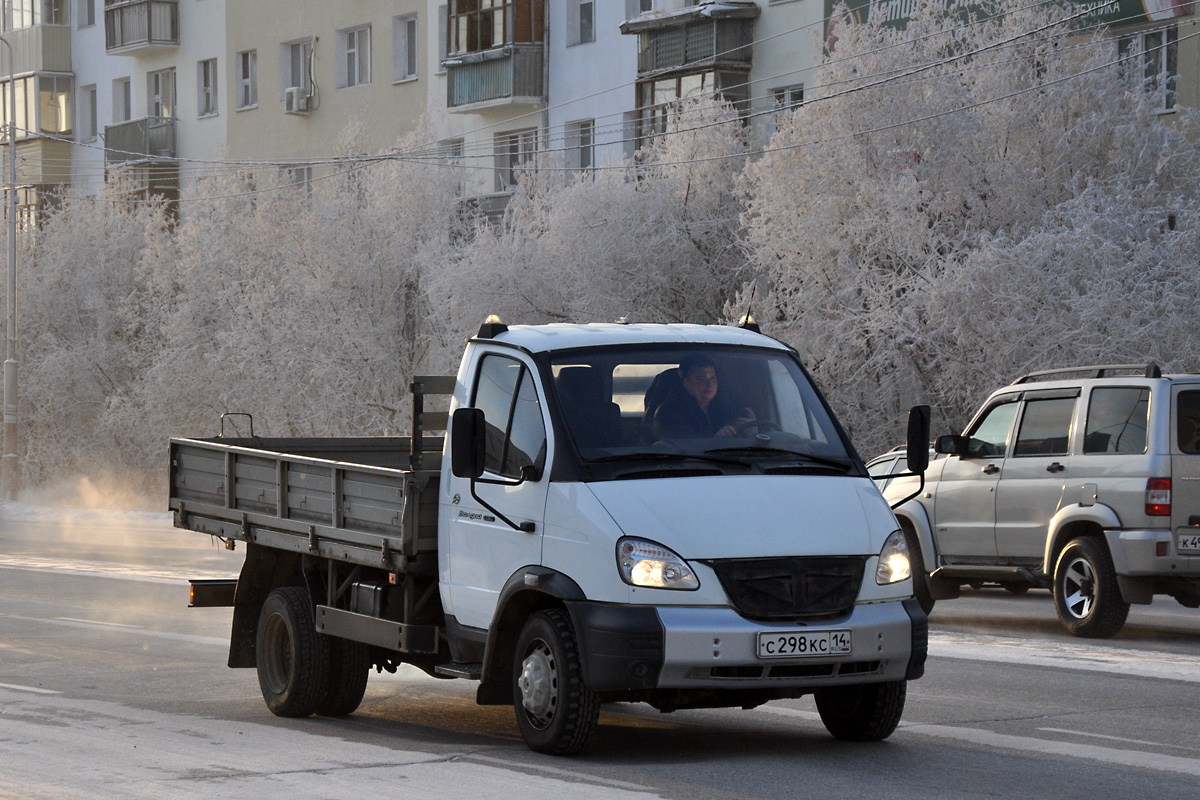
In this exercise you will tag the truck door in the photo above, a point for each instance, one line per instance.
(1185, 473)
(482, 550)
(965, 496)
(1030, 489)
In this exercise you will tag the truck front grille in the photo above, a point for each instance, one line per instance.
(791, 588)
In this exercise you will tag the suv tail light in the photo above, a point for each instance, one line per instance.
(1158, 497)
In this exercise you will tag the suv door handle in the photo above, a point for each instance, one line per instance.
(1055, 467)
(990, 469)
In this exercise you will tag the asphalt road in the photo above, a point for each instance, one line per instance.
(111, 687)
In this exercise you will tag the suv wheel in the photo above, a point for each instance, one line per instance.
(1086, 595)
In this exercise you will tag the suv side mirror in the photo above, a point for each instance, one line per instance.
(467, 443)
(953, 445)
(918, 438)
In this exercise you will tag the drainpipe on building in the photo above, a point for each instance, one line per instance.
(546, 76)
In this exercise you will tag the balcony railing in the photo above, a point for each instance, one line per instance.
(695, 38)
(512, 73)
(146, 139)
(140, 24)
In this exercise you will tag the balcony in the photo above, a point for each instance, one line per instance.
(695, 39)
(132, 26)
(505, 75)
(41, 48)
(139, 140)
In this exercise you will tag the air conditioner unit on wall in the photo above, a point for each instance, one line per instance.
(295, 100)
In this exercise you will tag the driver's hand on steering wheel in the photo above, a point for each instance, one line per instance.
(739, 426)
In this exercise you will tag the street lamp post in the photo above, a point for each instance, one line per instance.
(10, 466)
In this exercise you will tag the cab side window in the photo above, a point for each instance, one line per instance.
(990, 437)
(1116, 420)
(516, 434)
(1045, 426)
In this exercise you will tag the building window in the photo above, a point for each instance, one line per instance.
(581, 143)
(634, 8)
(45, 104)
(296, 65)
(247, 79)
(122, 100)
(659, 99)
(299, 176)
(86, 13)
(87, 113)
(443, 34)
(788, 97)
(160, 98)
(355, 57)
(404, 48)
(581, 21)
(477, 25)
(20, 14)
(514, 150)
(1153, 61)
(206, 76)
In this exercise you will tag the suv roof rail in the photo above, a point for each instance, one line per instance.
(1150, 370)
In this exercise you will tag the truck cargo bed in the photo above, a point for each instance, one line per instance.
(350, 499)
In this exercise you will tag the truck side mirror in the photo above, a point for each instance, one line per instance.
(918, 438)
(953, 445)
(467, 443)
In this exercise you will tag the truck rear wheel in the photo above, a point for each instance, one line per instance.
(291, 657)
(1086, 595)
(349, 668)
(867, 712)
(556, 713)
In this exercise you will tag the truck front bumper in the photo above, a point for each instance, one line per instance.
(627, 648)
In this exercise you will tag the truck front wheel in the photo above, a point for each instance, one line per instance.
(867, 712)
(291, 657)
(556, 713)
(1086, 595)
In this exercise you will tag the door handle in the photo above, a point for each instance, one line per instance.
(990, 469)
(1055, 467)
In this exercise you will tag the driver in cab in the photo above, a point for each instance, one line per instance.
(699, 411)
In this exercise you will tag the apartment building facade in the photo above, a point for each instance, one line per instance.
(167, 91)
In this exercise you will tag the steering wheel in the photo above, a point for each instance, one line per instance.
(763, 426)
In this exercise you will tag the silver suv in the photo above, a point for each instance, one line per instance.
(1083, 480)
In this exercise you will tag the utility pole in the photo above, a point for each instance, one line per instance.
(10, 465)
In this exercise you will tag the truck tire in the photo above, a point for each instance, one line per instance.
(920, 576)
(867, 712)
(556, 713)
(1086, 595)
(346, 681)
(290, 655)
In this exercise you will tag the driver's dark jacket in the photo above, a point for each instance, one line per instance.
(683, 418)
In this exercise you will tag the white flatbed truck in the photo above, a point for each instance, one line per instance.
(557, 548)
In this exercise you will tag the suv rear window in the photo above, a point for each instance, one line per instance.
(1188, 416)
(1117, 420)
(1045, 426)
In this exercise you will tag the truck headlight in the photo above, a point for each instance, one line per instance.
(894, 565)
(648, 564)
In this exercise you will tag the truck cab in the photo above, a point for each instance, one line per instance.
(740, 557)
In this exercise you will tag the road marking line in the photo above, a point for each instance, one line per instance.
(1065, 655)
(99, 622)
(1107, 755)
(182, 637)
(1120, 739)
(594, 780)
(18, 688)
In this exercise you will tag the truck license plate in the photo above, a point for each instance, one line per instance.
(804, 644)
(1188, 543)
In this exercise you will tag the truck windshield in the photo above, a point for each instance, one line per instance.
(724, 405)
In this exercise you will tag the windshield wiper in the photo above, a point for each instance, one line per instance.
(844, 466)
(644, 456)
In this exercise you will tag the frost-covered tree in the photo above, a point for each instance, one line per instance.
(981, 193)
(656, 241)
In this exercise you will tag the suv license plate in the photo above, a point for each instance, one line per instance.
(804, 644)
(1188, 543)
